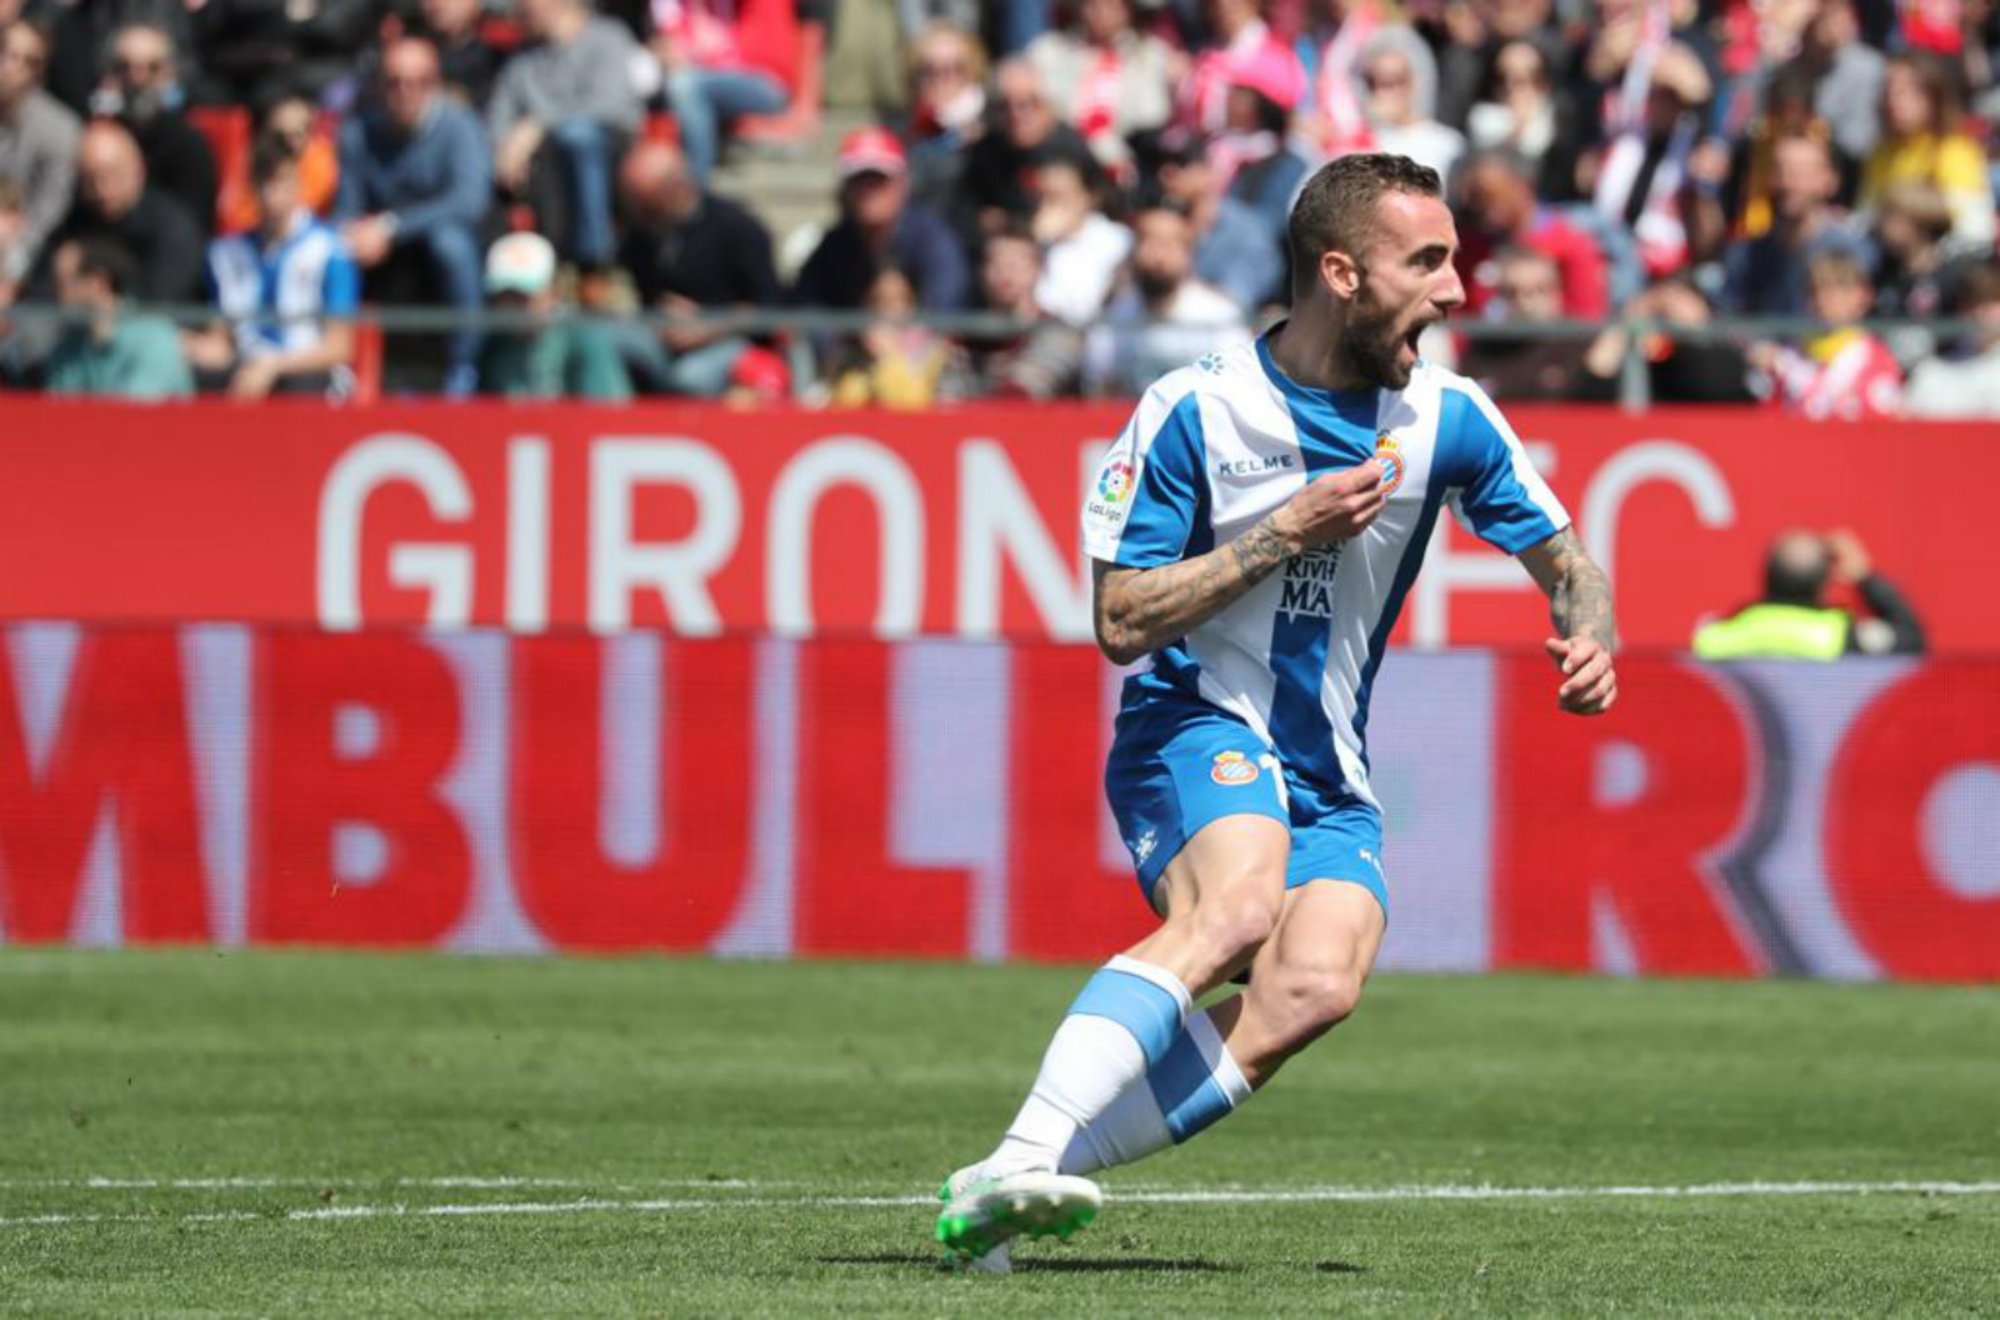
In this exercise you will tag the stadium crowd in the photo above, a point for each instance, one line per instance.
(1108, 178)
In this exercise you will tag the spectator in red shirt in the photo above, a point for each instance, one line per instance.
(1497, 209)
(1844, 372)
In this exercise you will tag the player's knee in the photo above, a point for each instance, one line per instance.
(1314, 1001)
(1234, 924)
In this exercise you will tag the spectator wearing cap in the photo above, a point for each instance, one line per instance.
(1082, 247)
(1233, 250)
(415, 180)
(1108, 80)
(708, 80)
(559, 117)
(1037, 360)
(689, 252)
(993, 189)
(114, 354)
(1497, 209)
(38, 142)
(115, 201)
(880, 224)
(1767, 275)
(142, 90)
(287, 292)
(1251, 154)
(1921, 143)
(1165, 316)
(556, 356)
(1967, 386)
(1399, 96)
(1843, 372)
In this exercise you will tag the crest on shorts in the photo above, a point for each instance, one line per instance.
(1394, 466)
(1232, 769)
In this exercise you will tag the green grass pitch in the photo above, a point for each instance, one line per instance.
(265, 1133)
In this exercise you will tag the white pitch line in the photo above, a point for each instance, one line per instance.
(1215, 1196)
(465, 1183)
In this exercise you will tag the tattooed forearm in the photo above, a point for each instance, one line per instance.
(1141, 610)
(1579, 593)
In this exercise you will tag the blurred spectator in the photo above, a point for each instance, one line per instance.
(467, 61)
(1241, 39)
(115, 201)
(1650, 134)
(114, 354)
(1845, 75)
(16, 261)
(1792, 622)
(561, 114)
(559, 357)
(1678, 369)
(1767, 275)
(947, 109)
(895, 363)
(1039, 361)
(415, 179)
(1970, 386)
(1527, 290)
(38, 144)
(254, 51)
(1258, 166)
(1742, 198)
(1165, 317)
(1082, 248)
(293, 122)
(1399, 78)
(688, 252)
(1108, 79)
(287, 291)
(1914, 276)
(1844, 372)
(879, 224)
(1922, 143)
(708, 80)
(142, 90)
(1329, 55)
(1473, 35)
(994, 187)
(1497, 210)
(83, 34)
(1520, 110)
(1233, 251)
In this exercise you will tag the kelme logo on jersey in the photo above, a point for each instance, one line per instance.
(1232, 769)
(1114, 483)
(1394, 467)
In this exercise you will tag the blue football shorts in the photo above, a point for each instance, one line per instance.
(1178, 764)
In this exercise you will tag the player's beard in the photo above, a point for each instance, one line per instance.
(1373, 343)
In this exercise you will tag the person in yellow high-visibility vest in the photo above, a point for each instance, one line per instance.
(1791, 623)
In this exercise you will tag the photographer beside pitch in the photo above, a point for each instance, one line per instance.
(1254, 531)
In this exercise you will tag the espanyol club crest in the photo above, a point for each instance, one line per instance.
(1394, 468)
(1232, 769)
(1114, 483)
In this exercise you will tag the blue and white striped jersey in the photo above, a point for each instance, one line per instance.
(1216, 446)
(304, 278)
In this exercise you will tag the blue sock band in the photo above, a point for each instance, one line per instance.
(1185, 1088)
(1145, 1009)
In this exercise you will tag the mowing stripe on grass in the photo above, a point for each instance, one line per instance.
(1216, 1196)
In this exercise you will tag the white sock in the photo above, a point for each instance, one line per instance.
(1127, 1017)
(1196, 1085)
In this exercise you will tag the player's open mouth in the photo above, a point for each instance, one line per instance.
(1415, 333)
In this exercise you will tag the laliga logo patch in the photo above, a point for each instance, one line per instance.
(1394, 468)
(1114, 483)
(1232, 769)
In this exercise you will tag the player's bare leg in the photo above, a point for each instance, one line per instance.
(1220, 899)
(1305, 980)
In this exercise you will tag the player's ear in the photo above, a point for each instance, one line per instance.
(1339, 273)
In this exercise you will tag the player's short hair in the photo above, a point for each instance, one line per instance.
(1336, 209)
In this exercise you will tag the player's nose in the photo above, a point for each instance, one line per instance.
(1449, 295)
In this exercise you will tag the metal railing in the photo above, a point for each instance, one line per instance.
(797, 328)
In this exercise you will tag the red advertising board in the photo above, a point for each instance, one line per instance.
(488, 792)
(711, 521)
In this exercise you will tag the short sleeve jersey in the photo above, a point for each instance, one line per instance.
(1214, 447)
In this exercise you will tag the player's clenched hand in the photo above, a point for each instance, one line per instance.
(1332, 508)
(1590, 684)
